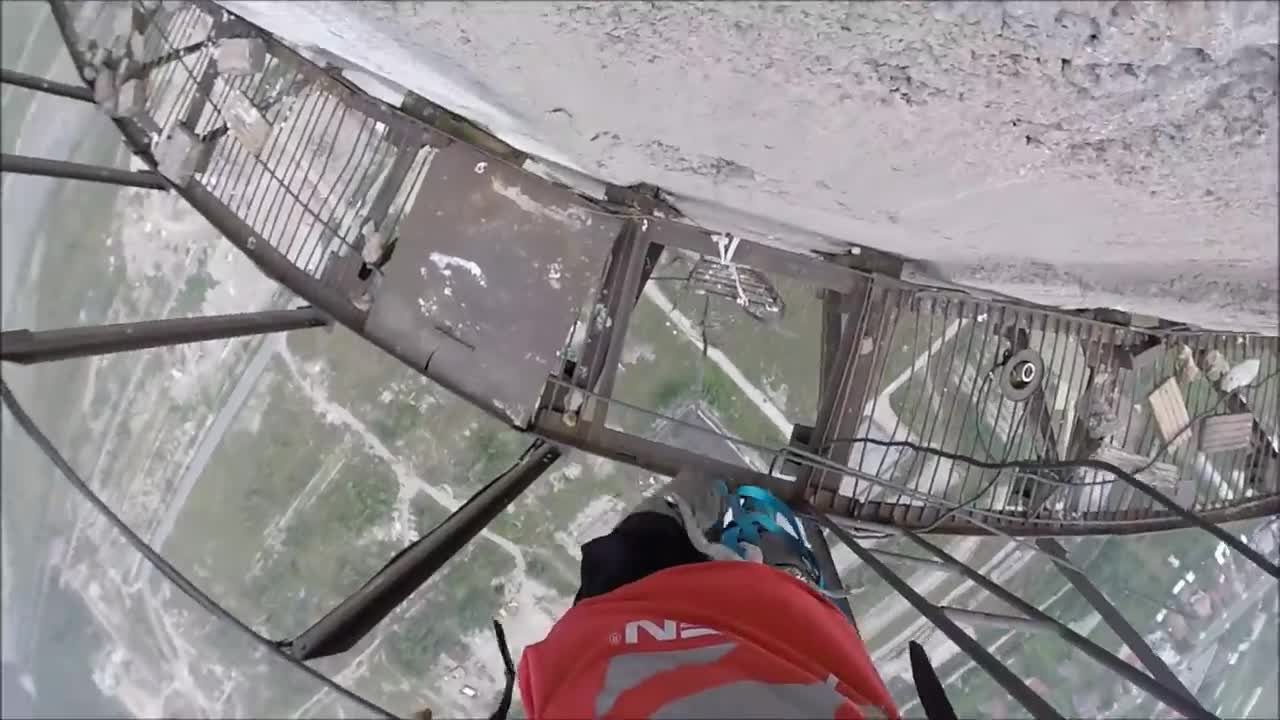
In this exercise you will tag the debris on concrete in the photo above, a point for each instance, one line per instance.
(240, 56)
(1213, 364)
(120, 45)
(1103, 415)
(98, 54)
(137, 45)
(1184, 363)
(374, 244)
(177, 154)
(249, 126)
(362, 300)
(104, 90)
(131, 99)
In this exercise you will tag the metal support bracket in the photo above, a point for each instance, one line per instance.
(27, 347)
(1169, 696)
(832, 329)
(629, 269)
(656, 457)
(1008, 622)
(51, 87)
(1028, 698)
(353, 618)
(848, 379)
(1115, 619)
(25, 165)
(827, 565)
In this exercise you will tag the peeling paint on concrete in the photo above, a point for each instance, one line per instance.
(574, 218)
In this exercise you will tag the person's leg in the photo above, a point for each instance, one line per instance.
(699, 493)
(651, 537)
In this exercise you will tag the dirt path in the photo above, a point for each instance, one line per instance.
(212, 437)
(409, 482)
(722, 361)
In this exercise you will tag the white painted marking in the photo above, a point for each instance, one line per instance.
(445, 262)
(572, 217)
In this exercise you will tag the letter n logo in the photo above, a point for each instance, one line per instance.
(666, 631)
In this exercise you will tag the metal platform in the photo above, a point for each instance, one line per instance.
(938, 410)
(478, 273)
(490, 270)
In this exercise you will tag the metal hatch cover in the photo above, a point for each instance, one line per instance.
(491, 268)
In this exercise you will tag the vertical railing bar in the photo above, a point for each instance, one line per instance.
(276, 155)
(1075, 335)
(856, 327)
(320, 227)
(290, 174)
(925, 431)
(235, 165)
(886, 299)
(914, 304)
(981, 387)
(955, 398)
(997, 332)
(889, 333)
(262, 199)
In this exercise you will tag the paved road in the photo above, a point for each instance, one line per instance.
(212, 437)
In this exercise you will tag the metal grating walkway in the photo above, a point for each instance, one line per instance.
(314, 180)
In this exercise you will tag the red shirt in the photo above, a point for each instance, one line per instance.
(712, 639)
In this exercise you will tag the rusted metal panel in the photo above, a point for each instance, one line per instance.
(861, 353)
(500, 262)
(628, 271)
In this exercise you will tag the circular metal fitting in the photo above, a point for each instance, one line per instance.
(1024, 373)
(1021, 375)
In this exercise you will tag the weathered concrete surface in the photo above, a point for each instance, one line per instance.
(1112, 153)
